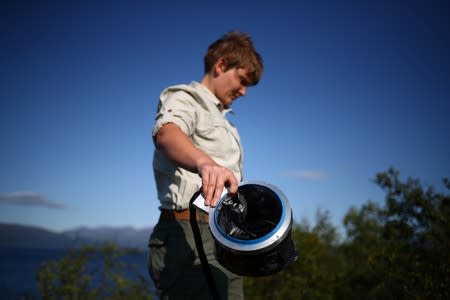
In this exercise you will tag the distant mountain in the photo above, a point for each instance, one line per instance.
(24, 236)
(123, 236)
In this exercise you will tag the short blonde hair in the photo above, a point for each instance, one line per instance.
(237, 51)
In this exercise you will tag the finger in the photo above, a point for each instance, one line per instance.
(232, 184)
(205, 189)
(217, 192)
(209, 189)
(209, 194)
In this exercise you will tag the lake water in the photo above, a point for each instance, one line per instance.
(18, 268)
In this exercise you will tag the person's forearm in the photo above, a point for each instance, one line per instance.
(178, 147)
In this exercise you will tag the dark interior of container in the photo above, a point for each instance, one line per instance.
(261, 214)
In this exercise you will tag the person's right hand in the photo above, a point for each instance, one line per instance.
(214, 178)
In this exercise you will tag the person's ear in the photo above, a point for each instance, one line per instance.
(219, 66)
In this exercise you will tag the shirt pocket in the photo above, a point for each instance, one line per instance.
(214, 137)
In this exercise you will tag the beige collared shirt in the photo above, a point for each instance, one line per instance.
(199, 114)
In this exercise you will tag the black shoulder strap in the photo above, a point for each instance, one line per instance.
(200, 249)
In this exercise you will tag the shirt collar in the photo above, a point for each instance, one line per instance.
(224, 110)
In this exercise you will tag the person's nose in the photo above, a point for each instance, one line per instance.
(243, 91)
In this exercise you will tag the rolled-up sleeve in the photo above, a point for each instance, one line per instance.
(177, 108)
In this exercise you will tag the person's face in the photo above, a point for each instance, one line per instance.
(230, 84)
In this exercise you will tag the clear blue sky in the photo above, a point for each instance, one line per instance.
(350, 88)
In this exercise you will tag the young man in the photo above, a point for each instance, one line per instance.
(196, 147)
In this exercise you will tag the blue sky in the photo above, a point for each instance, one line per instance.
(349, 89)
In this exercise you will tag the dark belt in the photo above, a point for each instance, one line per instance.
(181, 215)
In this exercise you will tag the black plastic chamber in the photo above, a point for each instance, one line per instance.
(252, 230)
